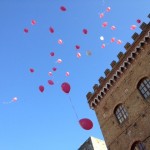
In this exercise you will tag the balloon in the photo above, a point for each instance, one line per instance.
(67, 74)
(119, 42)
(113, 27)
(78, 55)
(108, 9)
(77, 47)
(59, 61)
(133, 27)
(50, 82)
(104, 24)
(101, 38)
(50, 73)
(54, 69)
(88, 53)
(26, 30)
(101, 15)
(86, 123)
(63, 8)
(103, 46)
(14, 99)
(41, 88)
(60, 41)
(85, 31)
(112, 40)
(33, 22)
(51, 29)
(31, 70)
(138, 21)
(52, 53)
(65, 87)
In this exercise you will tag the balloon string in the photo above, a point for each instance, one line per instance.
(73, 108)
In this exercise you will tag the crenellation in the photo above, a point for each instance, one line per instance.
(101, 80)
(89, 95)
(148, 16)
(113, 63)
(107, 72)
(120, 55)
(135, 36)
(143, 26)
(127, 46)
(95, 87)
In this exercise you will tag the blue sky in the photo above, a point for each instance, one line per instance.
(46, 121)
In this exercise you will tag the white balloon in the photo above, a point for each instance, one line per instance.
(101, 38)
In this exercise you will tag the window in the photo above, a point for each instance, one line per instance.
(138, 146)
(121, 113)
(144, 87)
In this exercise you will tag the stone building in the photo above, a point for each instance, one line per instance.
(93, 143)
(121, 100)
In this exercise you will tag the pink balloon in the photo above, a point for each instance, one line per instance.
(50, 73)
(51, 29)
(50, 82)
(59, 61)
(31, 70)
(113, 27)
(133, 27)
(112, 40)
(86, 123)
(85, 31)
(54, 69)
(77, 47)
(33, 22)
(63, 8)
(119, 42)
(26, 30)
(41, 88)
(138, 21)
(104, 24)
(67, 74)
(60, 41)
(78, 55)
(108, 9)
(14, 99)
(65, 87)
(101, 15)
(103, 46)
(52, 53)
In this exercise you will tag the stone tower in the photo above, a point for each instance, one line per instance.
(121, 100)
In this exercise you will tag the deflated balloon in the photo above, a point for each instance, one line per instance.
(86, 123)
(65, 87)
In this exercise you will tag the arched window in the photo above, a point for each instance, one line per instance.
(144, 87)
(138, 146)
(121, 113)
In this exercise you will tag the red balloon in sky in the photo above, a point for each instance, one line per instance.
(50, 82)
(54, 69)
(86, 123)
(31, 70)
(26, 30)
(138, 21)
(33, 22)
(51, 29)
(65, 87)
(63, 8)
(85, 31)
(77, 47)
(52, 53)
(41, 88)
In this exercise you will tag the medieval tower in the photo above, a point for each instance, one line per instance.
(121, 100)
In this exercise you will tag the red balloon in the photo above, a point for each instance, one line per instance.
(77, 47)
(50, 82)
(54, 69)
(52, 53)
(63, 8)
(86, 123)
(31, 70)
(41, 88)
(85, 31)
(26, 30)
(65, 87)
(51, 29)
(138, 21)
